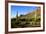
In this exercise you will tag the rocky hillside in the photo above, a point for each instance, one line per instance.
(32, 14)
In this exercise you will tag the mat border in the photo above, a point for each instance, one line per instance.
(6, 16)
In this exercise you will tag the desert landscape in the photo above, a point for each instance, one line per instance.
(31, 19)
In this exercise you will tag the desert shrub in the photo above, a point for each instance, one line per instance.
(21, 15)
(22, 19)
(13, 19)
(30, 19)
(38, 20)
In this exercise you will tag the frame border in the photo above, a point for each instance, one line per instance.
(6, 16)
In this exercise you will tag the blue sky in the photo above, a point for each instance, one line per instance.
(21, 9)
